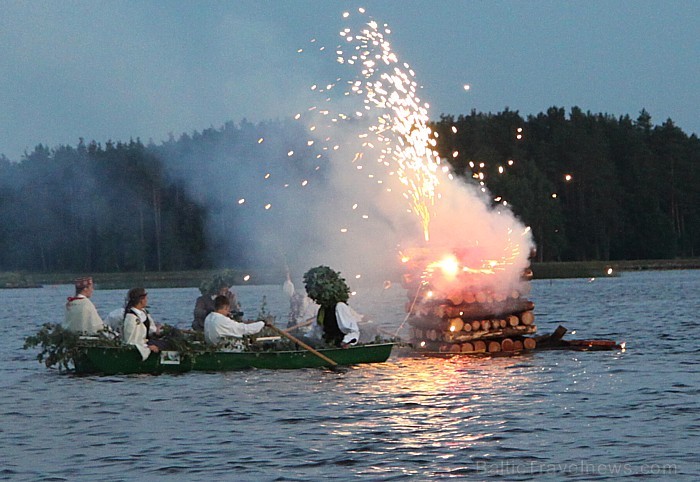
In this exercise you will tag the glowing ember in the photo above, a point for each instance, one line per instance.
(449, 266)
(402, 131)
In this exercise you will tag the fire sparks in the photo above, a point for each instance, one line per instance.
(449, 266)
(401, 128)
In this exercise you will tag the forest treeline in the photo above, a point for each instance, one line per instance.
(96, 209)
(591, 186)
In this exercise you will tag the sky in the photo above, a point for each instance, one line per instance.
(118, 70)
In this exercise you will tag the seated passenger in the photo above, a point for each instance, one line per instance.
(218, 326)
(138, 328)
(81, 315)
(205, 303)
(115, 320)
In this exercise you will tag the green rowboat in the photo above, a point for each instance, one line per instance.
(119, 360)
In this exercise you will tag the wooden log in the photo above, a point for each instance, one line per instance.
(499, 296)
(476, 325)
(456, 298)
(507, 344)
(486, 325)
(494, 347)
(467, 327)
(468, 297)
(594, 343)
(456, 324)
(480, 297)
(467, 347)
(517, 345)
(456, 348)
(529, 343)
(478, 311)
(508, 332)
(553, 339)
(515, 294)
(502, 323)
(527, 317)
(479, 346)
(513, 320)
(558, 334)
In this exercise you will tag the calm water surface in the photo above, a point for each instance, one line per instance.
(546, 416)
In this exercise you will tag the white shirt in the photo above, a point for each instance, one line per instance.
(348, 320)
(82, 317)
(218, 326)
(134, 331)
(114, 319)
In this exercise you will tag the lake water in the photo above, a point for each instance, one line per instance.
(554, 415)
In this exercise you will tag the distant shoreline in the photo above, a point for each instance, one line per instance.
(192, 279)
(590, 269)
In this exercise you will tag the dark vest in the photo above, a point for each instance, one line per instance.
(146, 323)
(331, 331)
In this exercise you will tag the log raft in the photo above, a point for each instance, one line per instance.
(471, 313)
(516, 346)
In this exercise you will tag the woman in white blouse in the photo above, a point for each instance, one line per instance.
(138, 326)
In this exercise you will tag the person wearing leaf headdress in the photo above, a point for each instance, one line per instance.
(339, 322)
(210, 289)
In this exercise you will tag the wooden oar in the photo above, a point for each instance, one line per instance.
(300, 325)
(302, 344)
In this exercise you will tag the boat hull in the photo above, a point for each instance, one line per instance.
(112, 361)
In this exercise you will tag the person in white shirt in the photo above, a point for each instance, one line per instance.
(138, 327)
(81, 315)
(205, 303)
(115, 320)
(218, 326)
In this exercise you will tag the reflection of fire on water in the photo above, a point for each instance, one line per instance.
(457, 304)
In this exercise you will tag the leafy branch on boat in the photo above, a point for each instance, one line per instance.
(60, 347)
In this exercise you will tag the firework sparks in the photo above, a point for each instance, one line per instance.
(388, 88)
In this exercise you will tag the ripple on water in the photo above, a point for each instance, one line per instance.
(536, 417)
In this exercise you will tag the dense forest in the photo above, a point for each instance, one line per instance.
(96, 209)
(591, 186)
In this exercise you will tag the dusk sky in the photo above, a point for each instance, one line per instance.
(126, 69)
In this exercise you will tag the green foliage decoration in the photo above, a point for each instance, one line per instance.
(61, 348)
(325, 286)
(211, 286)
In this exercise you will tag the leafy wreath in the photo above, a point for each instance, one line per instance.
(325, 286)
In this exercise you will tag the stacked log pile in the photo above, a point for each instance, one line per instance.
(468, 315)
